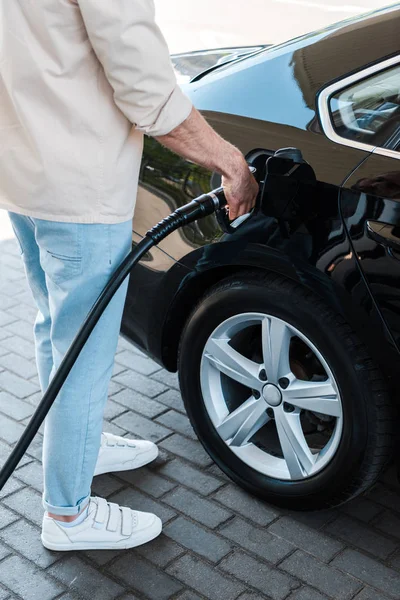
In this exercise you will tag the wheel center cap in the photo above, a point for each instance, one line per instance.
(271, 394)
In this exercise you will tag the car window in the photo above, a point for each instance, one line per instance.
(369, 111)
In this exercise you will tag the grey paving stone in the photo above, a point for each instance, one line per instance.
(7, 302)
(114, 388)
(169, 379)
(145, 428)
(325, 578)
(12, 288)
(17, 386)
(117, 368)
(389, 523)
(140, 383)
(23, 311)
(319, 544)
(5, 318)
(188, 595)
(19, 328)
(315, 519)
(161, 551)
(138, 501)
(384, 496)
(105, 485)
(370, 594)
(84, 580)
(13, 407)
(112, 410)
(216, 471)
(18, 364)
(250, 596)
(178, 422)
(185, 448)
(102, 557)
(206, 580)
(259, 575)
(361, 536)
(4, 551)
(306, 593)
(196, 507)
(113, 428)
(196, 538)
(25, 539)
(31, 474)
(27, 581)
(141, 404)
(4, 334)
(173, 399)
(5, 451)
(140, 364)
(34, 399)
(147, 481)
(362, 508)
(370, 571)
(28, 503)
(4, 594)
(6, 517)
(190, 476)
(240, 501)
(35, 449)
(145, 578)
(11, 486)
(10, 430)
(256, 540)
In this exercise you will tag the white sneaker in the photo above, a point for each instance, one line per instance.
(120, 454)
(107, 527)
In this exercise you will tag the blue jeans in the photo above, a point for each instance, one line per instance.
(67, 266)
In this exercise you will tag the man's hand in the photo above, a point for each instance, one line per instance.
(240, 190)
(195, 140)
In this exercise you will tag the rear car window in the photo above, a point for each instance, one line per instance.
(369, 111)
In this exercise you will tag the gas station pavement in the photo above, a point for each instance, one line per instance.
(219, 543)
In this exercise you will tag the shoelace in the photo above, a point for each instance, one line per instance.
(113, 517)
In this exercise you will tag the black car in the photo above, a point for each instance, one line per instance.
(286, 333)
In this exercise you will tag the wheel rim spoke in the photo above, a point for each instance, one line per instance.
(240, 425)
(316, 396)
(299, 459)
(233, 364)
(275, 345)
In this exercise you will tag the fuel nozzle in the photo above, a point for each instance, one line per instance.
(202, 206)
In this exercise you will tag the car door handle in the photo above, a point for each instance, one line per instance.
(388, 235)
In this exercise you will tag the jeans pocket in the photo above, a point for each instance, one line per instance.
(60, 250)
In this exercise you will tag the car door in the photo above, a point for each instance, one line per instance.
(365, 112)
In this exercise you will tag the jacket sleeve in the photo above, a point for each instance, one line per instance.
(136, 61)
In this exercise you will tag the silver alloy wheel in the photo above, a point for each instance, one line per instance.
(273, 400)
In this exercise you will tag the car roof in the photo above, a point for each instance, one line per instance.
(345, 48)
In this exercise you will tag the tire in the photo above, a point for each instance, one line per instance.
(322, 348)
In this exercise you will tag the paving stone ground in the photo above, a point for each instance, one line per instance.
(218, 543)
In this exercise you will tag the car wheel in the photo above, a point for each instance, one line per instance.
(282, 394)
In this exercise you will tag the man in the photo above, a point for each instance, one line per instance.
(81, 81)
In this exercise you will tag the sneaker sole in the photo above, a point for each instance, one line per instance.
(129, 465)
(145, 536)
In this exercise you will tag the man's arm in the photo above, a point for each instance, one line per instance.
(136, 62)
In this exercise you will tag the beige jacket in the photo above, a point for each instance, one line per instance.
(75, 75)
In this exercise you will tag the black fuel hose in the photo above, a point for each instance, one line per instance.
(196, 209)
